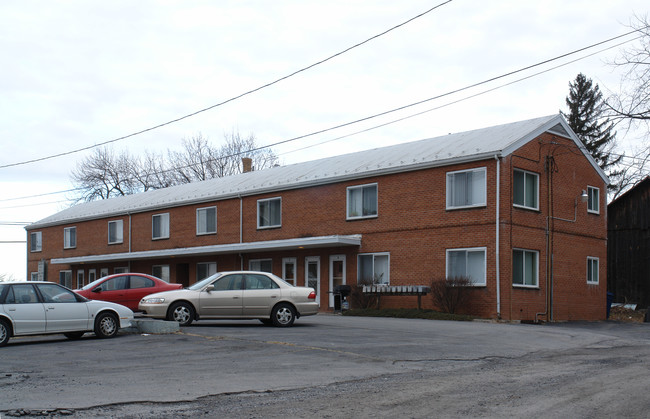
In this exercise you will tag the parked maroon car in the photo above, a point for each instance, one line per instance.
(126, 289)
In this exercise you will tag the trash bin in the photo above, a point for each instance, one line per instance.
(340, 297)
(610, 300)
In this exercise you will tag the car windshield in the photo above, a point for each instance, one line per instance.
(93, 284)
(205, 281)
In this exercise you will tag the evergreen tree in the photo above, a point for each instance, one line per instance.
(586, 118)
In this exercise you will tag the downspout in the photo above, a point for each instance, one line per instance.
(241, 230)
(498, 241)
(129, 214)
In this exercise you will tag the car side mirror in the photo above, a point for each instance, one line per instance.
(209, 287)
(98, 289)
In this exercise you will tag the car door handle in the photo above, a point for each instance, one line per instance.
(236, 297)
(12, 308)
(50, 308)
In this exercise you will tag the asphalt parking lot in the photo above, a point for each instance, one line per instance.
(334, 366)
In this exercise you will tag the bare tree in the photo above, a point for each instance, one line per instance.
(633, 102)
(103, 175)
(197, 161)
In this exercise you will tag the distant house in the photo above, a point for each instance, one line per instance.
(500, 205)
(628, 252)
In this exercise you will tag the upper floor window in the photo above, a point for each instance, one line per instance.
(525, 266)
(526, 189)
(269, 213)
(467, 263)
(362, 201)
(593, 200)
(466, 188)
(206, 220)
(35, 241)
(160, 226)
(115, 231)
(69, 237)
(592, 270)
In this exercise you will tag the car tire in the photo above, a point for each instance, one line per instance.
(283, 315)
(181, 313)
(106, 325)
(74, 335)
(5, 333)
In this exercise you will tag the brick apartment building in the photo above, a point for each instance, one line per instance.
(518, 208)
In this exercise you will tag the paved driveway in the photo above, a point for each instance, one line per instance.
(329, 365)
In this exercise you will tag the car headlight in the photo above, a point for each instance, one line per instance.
(153, 300)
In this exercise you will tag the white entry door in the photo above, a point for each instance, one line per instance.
(312, 274)
(337, 274)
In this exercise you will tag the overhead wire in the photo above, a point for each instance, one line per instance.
(230, 99)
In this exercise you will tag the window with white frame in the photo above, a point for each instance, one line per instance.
(92, 275)
(103, 272)
(65, 278)
(69, 237)
(466, 188)
(467, 263)
(525, 189)
(35, 241)
(205, 269)
(80, 279)
(206, 220)
(525, 268)
(593, 200)
(289, 270)
(373, 268)
(269, 213)
(115, 231)
(161, 271)
(362, 201)
(121, 270)
(33, 276)
(160, 226)
(592, 270)
(263, 265)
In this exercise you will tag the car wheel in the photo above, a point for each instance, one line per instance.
(5, 333)
(283, 315)
(74, 335)
(106, 325)
(182, 313)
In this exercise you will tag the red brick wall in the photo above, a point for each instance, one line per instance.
(413, 225)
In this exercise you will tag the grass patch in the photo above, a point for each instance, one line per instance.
(407, 313)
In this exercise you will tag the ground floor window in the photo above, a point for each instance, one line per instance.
(103, 272)
(261, 265)
(121, 270)
(592, 270)
(373, 268)
(65, 278)
(80, 279)
(161, 271)
(525, 266)
(467, 263)
(206, 269)
(33, 276)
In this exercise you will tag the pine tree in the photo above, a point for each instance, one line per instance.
(586, 118)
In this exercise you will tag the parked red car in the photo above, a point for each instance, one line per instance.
(126, 289)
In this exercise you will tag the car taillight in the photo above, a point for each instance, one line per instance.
(312, 295)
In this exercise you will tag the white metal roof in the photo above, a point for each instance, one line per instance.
(480, 144)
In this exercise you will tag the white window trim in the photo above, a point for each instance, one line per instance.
(92, 275)
(120, 223)
(66, 272)
(259, 201)
(469, 249)
(347, 202)
(65, 235)
(597, 210)
(387, 282)
(198, 210)
(121, 270)
(251, 261)
(447, 180)
(205, 263)
(168, 226)
(590, 260)
(294, 261)
(162, 268)
(33, 276)
(536, 186)
(80, 275)
(103, 272)
(39, 241)
(536, 269)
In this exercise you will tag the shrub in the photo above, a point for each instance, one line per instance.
(450, 294)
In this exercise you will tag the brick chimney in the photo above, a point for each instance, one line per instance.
(247, 164)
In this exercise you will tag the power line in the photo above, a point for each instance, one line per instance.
(232, 98)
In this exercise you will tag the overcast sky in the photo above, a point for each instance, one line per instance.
(78, 73)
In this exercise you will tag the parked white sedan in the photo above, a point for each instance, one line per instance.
(37, 308)
(234, 295)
